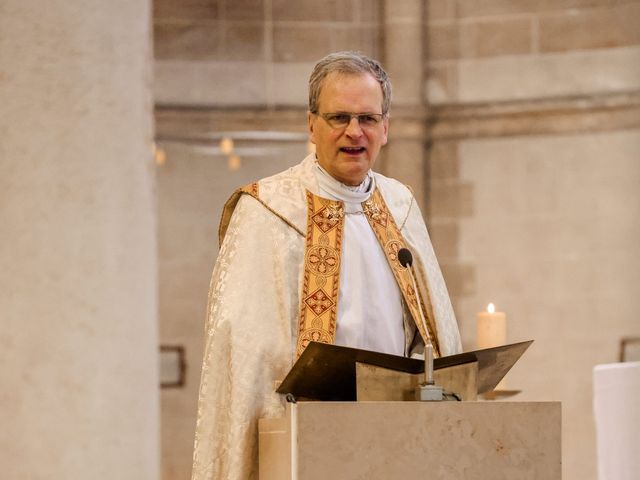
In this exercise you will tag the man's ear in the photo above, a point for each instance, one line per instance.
(311, 124)
(385, 126)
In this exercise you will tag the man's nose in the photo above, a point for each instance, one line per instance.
(353, 128)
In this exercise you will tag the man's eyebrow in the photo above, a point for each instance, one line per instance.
(340, 112)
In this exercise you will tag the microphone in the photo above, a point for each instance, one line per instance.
(427, 391)
(405, 258)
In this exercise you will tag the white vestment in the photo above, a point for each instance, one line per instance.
(254, 307)
(371, 314)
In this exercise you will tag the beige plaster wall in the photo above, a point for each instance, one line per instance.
(552, 239)
(78, 342)
(534, 200)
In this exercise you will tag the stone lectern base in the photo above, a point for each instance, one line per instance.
(412, 440)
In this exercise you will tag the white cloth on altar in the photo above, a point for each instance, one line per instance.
(616, 406)
(253, 313)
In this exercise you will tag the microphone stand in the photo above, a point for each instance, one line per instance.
(427, 391)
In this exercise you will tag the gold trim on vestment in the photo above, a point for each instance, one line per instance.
(319, 300)
(230, 205)
(391, 241)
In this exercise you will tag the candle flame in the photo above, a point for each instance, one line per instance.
(491, 308)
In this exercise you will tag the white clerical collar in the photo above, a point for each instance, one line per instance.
(340, 191)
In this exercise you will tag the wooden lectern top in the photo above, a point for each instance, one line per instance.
(328, 372)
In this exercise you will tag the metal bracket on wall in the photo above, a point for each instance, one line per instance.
(630, 349)
(173, 366)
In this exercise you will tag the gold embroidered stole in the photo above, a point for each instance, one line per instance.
(391, 241)
(319, 300)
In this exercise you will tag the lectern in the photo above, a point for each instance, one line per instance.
(345, 437)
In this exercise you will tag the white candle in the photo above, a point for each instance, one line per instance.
(492, 328)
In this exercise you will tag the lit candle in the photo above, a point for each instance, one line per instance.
(492, 328)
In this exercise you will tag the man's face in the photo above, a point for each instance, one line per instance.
(348, 153)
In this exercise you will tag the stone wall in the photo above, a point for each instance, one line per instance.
(533, 185)
(516, 123)
(254, 53)
(496, 51)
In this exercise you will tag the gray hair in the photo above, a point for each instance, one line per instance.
(349, 63)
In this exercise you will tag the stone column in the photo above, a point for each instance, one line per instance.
(403, 50)
(78, 337)
(405, 155)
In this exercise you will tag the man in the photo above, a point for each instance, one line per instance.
(312, 254)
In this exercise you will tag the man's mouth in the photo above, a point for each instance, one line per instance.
(352, 150)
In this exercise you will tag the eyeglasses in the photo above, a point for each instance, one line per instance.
(342, 119)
